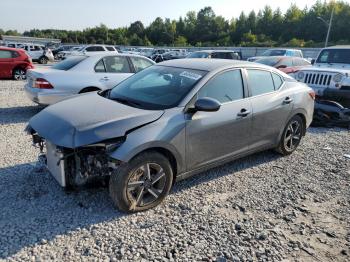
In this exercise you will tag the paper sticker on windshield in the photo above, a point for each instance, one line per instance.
(190, 75)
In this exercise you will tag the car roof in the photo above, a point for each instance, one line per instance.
(10, 48)
(338, 47)
(205, 64)
(99, 56)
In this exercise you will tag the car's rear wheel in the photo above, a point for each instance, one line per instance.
(291, 136)
(142, 183)
(19, 74)
(43, 60)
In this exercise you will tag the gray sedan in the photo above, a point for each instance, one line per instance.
(168, 122)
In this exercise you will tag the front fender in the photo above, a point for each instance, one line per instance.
(167, 133)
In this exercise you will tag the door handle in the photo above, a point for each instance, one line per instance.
(287, 100)
(106, 78)
(244, 112)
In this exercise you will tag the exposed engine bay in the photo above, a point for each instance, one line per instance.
(77, 167)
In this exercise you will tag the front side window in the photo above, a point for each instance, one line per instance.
(341, 56)
(157, 87)
(116, 64)
(260, 82)
(140, 63)
(225, 87)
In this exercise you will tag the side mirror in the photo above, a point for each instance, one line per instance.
(313, 61)
(281, 66)
(207, 104)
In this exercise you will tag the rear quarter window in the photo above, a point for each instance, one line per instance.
(69, 63)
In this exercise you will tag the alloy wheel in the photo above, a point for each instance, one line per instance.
(19, 74)
(292, 136)
(146, 184)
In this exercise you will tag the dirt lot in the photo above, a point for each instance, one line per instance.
(261, 208)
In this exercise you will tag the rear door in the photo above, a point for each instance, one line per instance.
(271, 106)
(212, 136)
(6, 63)
(111, 70)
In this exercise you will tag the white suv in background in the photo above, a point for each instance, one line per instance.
(38, 53)
(95, 50)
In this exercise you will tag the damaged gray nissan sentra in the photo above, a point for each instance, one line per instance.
(168, 122)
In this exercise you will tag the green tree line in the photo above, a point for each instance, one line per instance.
(295, 27)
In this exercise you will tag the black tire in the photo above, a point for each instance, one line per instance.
(291, 136)
(130, 189)
(19, 74)
(43, 60)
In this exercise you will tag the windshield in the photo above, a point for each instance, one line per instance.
(198, 55)
(341, 56)
(69, 63)
(270, 61)
(157, 87)
(274, 52)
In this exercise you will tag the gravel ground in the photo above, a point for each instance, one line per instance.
(261, 208)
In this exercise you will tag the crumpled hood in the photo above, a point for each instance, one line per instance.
(88, 119)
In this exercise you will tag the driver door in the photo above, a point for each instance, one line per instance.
(214, 136)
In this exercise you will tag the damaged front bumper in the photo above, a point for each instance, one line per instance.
(76, 167)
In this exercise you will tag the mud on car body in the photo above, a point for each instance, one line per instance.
(158, 126)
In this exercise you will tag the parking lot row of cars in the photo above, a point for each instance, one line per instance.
(146, 123)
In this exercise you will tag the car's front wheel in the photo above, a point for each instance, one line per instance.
(291, 136)
(142, 183)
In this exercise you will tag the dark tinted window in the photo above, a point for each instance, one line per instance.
(198, 55)
(100, 67)
(219, 55)
(140, 63)
(14, 54)
(99, 48)
(334, 56)
(225, 87)
(69, 63)
(94, 48)
(277, 80)
(260, 82)
(117, 64)
(5, 54)
(110, 48)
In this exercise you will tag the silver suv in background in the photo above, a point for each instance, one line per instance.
(90, 50)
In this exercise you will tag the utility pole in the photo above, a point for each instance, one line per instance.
(329, 25)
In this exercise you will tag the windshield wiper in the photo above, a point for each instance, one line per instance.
(125, 101)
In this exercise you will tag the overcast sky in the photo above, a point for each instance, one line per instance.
(79, 14)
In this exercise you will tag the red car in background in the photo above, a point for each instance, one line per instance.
(14, 63)
(288, 65)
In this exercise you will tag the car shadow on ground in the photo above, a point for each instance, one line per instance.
(34, 209)
(19, 114)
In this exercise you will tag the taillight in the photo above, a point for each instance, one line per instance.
(312, 94)
(42, 84)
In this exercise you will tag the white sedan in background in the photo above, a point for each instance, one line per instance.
(81, 74)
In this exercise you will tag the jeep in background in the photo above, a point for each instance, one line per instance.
(329, 75)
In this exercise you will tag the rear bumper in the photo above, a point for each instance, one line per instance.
(45, 96)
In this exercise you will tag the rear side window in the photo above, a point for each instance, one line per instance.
(69, 63)
(100, 67)
(14, 54)
(260, 82)
(5, 54)
(110, 48)
(116, 64)
(225, 87)
(277, 80)
(140, 63)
